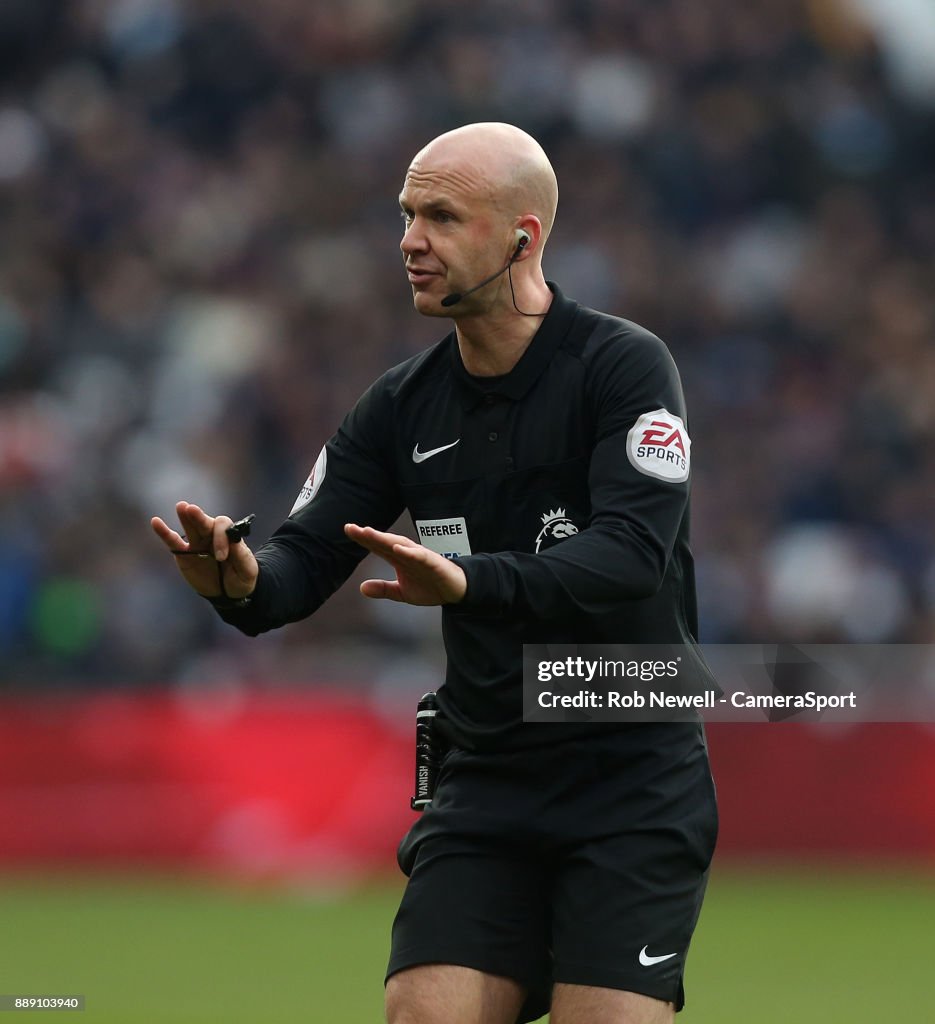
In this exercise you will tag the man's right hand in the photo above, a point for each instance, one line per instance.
(204, 549)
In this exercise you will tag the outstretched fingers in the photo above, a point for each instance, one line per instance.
(377, 542)
(172, 540)
(411, 552)
(387, 590)
(202, 546)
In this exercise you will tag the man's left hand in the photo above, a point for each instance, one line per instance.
(423, 577)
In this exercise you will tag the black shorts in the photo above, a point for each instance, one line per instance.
(582, 862)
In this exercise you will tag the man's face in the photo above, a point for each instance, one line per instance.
(453, 236)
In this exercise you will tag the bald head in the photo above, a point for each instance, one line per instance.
(499, 163)
(478, 203)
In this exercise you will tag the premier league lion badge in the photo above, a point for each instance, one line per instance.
(556, 526)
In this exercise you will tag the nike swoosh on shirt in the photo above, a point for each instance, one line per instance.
(647, 961)
(418, 456)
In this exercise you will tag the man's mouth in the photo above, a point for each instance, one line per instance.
(419, 275)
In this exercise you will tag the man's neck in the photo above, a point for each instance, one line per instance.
(493, 343)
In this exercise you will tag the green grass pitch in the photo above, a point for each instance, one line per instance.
(774, 946)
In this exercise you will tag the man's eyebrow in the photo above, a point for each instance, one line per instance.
(431, 204)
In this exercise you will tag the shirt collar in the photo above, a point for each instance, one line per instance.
(538, 354)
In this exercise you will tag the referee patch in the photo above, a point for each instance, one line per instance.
(315, 479)
(658, 445)
(448, 537)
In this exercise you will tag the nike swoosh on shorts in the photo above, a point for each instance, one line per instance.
(647, 961)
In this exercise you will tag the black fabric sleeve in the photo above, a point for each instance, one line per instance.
(635, 517)
(309, 557)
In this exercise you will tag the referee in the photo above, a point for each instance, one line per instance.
(559, 865)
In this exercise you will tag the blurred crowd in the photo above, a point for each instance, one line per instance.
(199, 274)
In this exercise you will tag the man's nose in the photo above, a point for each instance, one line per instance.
(413, 240)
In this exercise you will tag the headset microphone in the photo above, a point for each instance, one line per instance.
(522, 240)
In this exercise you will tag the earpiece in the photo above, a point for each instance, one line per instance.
(522, 240)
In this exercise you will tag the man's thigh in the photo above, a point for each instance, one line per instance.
(469, 907)
(448, 994)
(584, 1004)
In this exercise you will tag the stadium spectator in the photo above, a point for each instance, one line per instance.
(180, 197)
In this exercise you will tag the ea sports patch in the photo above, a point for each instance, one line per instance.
(315, 479)
(658, 445)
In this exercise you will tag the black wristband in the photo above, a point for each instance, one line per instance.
(227, 604)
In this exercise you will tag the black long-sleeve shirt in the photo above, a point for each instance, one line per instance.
(561, 489)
